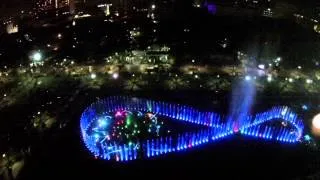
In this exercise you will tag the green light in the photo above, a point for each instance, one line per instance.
(37, 56)
(128, 120)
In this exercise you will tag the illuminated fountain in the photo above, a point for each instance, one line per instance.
(124, 128)
(242, 99)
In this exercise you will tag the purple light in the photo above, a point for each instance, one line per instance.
(118, 114)
(212, 8)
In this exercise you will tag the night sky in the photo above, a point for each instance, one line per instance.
(8, 7)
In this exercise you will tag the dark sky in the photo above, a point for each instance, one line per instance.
(11, 6)
(14, 3)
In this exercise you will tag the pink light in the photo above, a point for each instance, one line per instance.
(150, 115)
(236, 127)
(118, 113)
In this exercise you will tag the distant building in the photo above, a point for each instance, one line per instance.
(56, 4)
(128, 5)
(12, 28)
(105, 8)
(50, 4)
(316, 28)
(267, 12)
(154, 55)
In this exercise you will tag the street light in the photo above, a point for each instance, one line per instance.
(309, 81)
(115, 75)
(290, 80)
(59, 36)
(261, 66)
(37, 56)
(269, 78)
(93, 76)
(247, 78)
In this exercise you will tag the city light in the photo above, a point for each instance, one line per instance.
(115, 75)
(247, 78)
(82, 16)
(36, 57)
(93, 76)
(304, 107)
(68, 57)
(309, 81)
(316, 121)
(11, 28)
(290, 80)
(269, 78)
(261, 66)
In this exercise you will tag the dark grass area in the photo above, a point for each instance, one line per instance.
(62, 155)
(236, 157)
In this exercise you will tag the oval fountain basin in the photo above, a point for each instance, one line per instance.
(124, 128)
